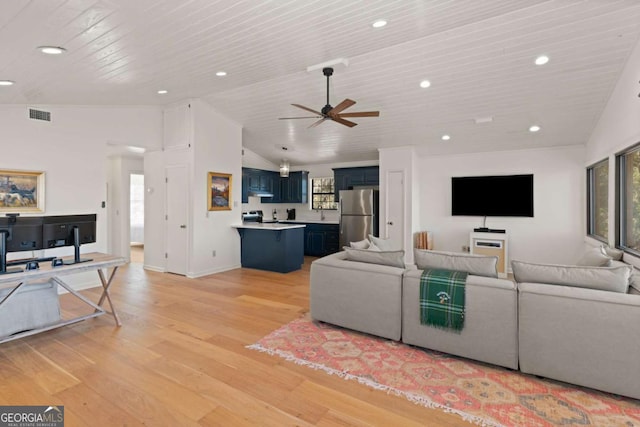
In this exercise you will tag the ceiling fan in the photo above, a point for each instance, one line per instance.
(333, 113)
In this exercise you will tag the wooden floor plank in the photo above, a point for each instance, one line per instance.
(180, 358)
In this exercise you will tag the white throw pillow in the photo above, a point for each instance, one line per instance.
(614, 254)
(594, 257)
(614, 279)
(384, 244)
(373, 247)
(390, 258)
(362, 244)
(477, 265)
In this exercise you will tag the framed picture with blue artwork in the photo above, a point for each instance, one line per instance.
(219, 191)
(21, 191)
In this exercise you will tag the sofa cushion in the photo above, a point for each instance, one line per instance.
(391, 258)
(613, 253)
(383, 244)
(615, 279)
(473, 264)
(634, 280)
(362, 244)
(594, 257)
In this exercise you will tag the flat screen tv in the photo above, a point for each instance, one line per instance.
(18, 235)
(69, 230)
(502, 195)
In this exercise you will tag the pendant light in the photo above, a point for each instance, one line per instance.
(284, 168)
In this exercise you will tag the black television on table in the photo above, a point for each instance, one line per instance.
(18, 234)
(500, 195)
(69, 230)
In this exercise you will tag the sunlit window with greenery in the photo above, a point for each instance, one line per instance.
(628, 165)
(598, 200)
(322, 194)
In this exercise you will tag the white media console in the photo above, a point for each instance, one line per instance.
(492, 244)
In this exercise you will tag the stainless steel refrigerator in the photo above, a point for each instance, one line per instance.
(358, 215)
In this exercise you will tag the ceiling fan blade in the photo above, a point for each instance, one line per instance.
(308, 109)
(314, 124)
(292, 118)
(361, 114)
(343, 122)
(342, 106)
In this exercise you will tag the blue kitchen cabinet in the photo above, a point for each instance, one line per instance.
(291, 189)
(272, 249)
(320, 239)
(296, 187)
(259, 180)
(348, 178)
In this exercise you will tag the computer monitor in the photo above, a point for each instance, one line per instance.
(69, 230)
(18, 234)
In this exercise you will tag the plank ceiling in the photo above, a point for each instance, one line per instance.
(478, 56)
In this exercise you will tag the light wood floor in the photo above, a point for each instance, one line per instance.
(180, 360)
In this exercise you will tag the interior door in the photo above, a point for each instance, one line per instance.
(394, 226)
(177, 219)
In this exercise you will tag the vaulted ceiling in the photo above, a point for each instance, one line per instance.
(478, 55)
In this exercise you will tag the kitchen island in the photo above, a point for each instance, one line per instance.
(273, 247)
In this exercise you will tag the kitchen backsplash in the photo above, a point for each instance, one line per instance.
(302, 210)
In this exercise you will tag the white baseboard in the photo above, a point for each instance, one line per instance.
(212, 271)
(154, 268)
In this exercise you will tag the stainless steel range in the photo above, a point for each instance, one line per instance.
(252, 216)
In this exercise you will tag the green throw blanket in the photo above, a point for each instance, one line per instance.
(442, 298)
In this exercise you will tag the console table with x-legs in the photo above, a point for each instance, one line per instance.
(106, 267)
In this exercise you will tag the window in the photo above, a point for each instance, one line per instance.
(628, 199)
(598, 200)
(322, 194)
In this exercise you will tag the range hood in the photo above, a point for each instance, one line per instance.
(259, 194)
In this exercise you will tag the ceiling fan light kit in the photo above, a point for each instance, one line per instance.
(333, 113)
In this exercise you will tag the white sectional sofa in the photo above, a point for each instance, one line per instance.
(356, 295)
(383, 300)
(490, 332)
(574, 333)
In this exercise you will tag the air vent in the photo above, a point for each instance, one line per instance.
(39, 115)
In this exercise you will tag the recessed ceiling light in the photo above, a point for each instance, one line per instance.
(6, 82)
(446, 137)
(52, 50)
(534, 128)
(542, 59)
(162, 91)
(379, 23)
(221, 73)
(425, 84)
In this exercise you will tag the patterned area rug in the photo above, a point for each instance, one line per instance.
(483, 394)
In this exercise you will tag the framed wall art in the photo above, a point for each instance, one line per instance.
(219, 191)
(21, 191)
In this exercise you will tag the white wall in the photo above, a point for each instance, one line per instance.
(555, 233)
(72, 151)
(252, 160)
(618, 127)
(217, 148)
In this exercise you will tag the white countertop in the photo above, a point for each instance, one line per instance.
(309, 221)
(269, 226)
